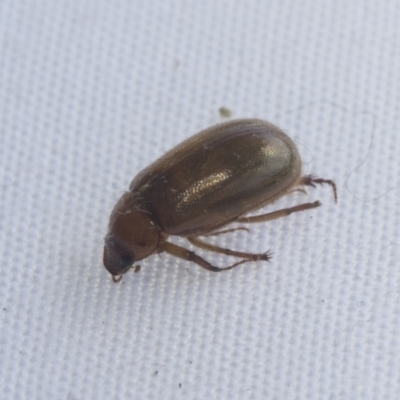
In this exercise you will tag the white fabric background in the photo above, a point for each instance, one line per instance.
(91, 91)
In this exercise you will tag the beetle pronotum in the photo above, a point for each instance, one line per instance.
(216, 177)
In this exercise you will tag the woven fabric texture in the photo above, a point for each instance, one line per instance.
(91, 92)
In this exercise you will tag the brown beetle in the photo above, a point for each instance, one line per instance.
(212, 179)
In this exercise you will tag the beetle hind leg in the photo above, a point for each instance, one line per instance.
(240, 228)
(284, 212)
(313, 180)
(307, 180)
(246, 256)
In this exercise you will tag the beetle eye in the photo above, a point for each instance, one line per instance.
(117, 260)
(127, 259)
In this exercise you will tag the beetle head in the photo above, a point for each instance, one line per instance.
(117, 259)
(132, 236)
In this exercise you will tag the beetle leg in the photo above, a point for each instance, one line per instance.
(240, 228)
(248, 256)
(312, 180)
(116, 278)
(298, 190)
(188, 255)
(279, 213)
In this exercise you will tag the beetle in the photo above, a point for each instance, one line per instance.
(214, 178)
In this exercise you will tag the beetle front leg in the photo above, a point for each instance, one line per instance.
(188, 255)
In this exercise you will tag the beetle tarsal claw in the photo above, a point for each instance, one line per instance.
(267, 256)
(260, 257)
(116, 278)
(136, 268)
(312, 180)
